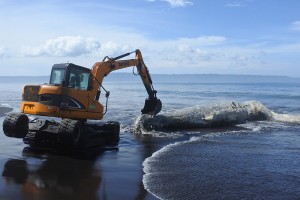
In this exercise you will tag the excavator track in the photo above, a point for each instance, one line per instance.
(15, 125)
(42, 133)
(69, 134)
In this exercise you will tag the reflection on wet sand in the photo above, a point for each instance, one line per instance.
(55, 177)
(106, 174)
(148, 146)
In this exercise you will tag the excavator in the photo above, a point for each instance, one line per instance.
(72, 95)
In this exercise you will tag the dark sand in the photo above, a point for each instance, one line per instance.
(114, 173)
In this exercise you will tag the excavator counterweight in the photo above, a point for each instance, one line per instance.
(73, 94)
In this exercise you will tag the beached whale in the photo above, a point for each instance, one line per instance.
(217, 115)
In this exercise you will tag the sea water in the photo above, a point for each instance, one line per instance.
(248, 159)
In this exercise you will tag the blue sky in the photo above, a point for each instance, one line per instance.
(259, 37)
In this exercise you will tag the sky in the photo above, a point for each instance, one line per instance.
(248, 37)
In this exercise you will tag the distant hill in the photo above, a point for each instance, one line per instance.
(199, 78)
(24, 79)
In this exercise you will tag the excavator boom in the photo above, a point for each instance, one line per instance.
(152, 105)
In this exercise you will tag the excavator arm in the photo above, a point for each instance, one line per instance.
(101, 69)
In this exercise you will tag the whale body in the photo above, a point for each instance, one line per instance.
(216, 115)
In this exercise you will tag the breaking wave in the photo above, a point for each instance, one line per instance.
(216, 115)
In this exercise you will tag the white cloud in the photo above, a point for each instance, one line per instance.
(111, 48)
(203, 40)
(3, 52)
(183, 52)
(191, 51)
(203, 54)
(295, 25)
(168, 53)
(237, 4)
(63, 46)
(206, 54)
(191, 55)
(177, 3)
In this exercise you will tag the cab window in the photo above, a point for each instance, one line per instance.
(57, 76)
(78, 79)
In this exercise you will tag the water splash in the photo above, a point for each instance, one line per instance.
(216, 115)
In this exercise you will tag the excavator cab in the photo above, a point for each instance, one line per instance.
(70, 75)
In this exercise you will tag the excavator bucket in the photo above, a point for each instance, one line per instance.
(152, 107)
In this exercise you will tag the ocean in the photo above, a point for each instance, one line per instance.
(217, 137)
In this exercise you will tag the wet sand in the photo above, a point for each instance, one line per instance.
(115, 173)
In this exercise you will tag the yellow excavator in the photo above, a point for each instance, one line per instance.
(73, 95)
